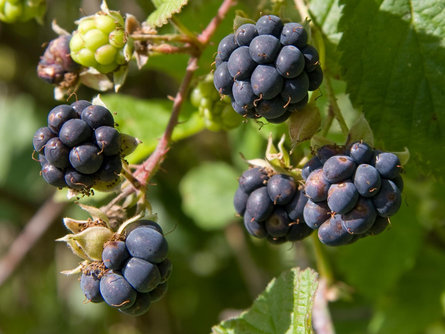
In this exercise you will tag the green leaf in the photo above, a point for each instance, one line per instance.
(361, 130)
(416, 301)
(392, 57)
(326, 14)
(165, 9)
(373, 265)
(147, 120)
(284, 307)
(207, 193)
(304, 123)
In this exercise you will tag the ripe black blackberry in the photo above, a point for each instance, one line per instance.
(80, 147)
(351, 192)
(133, 273)
(271, 206)
(267, 69)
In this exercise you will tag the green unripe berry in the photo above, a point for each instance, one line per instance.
(76, 42)
(106, 68)
(86, 57)
(104, 23)
(13, 11)
(195, 97)
(95, 39)
(230, 119)
(106, 54)
(206, 103)
(117, 38)
(86, 25)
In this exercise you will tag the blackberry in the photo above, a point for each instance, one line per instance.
(80, 147)
(352, 191)
(267, 69)
(271, 206)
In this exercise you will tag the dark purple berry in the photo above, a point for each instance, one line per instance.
(165, 269)
(56, 153)
(90, 285)
(240, 201)
(294, 34)
(298, 231)
(158, 292)
(226, 47)
(367, 180)
(269, 25)
(86, 158)
(259, 206)
(360, 219)
(114, 254)
(264, 49)
(342, 197)
(316, 186)
(332, 233)
(140, 306)
(281, 188)
(252, 179)
(388, 165)
(97, 116)
(361, 152)
(79, 106)
(296, 206)
(79, 181)
(41, 137)
(108, 140)
(316, 214)
(245, 34)
(142, 275)
(148, 244)
(59, 115)
(310, 166)
(338, 168)
(388, 200)
(254, 227)
(110, 168)
(75, 132)
(277, 225)
(116, 291)
(53, 176)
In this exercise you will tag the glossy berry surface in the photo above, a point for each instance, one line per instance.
(90, 285)
(142, 275)
(148, 244)
(281, 189)
(116, 291)
(254, 66)
(364, 190)
(114, 254)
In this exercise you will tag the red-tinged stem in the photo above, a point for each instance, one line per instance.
(207, 33)
(151, 165)
(171, 49)
(148, 168)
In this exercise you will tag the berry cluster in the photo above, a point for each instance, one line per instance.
(133, 273)
(21, 10)
(216, 112)
(80, 148)
(272, 206)
(99, 42)
(56, 60)
(351, 192)
(267, 69)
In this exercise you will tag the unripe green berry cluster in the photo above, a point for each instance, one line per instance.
(21, 10)
(99, 42)
(217, 112)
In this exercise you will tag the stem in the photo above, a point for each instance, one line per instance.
(335, 108)
(302, 9)
(323, 265)
(32, 232)
(163, 38)
(328, 122)
(150, 166)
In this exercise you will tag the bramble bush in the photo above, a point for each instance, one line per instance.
(197, 150)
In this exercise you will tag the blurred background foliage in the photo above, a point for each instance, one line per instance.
(392, 283)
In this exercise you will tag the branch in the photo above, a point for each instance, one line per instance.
(152, 164)
(144, 172)
(32, 232)
(207, 33)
